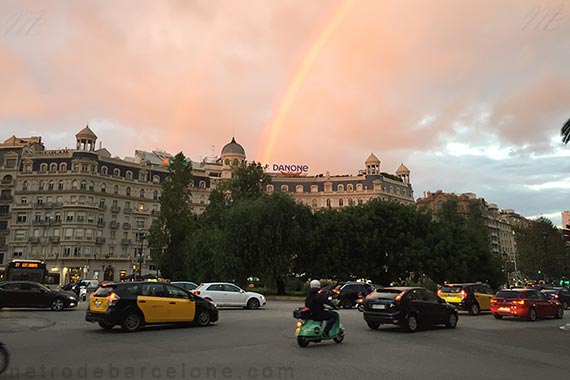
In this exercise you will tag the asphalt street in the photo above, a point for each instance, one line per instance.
(260, 344)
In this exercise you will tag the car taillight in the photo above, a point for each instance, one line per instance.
(555, 296)
(197, 292)
(336, 291)
(299, 324)
(113, 299)
(493, 300)
(439, 292)
(399, 297)
(521, 302)
(463, 294)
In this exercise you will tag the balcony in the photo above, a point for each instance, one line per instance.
(114, 224)
(102, 207)
(100, 240)
(34, 239)
(126, 226)
(128, 210)
(5, 214)
(101, 223)
(126, 241)
(54, 239)
(155, 212)
(39, 223)
(6, 198)
(115, 209)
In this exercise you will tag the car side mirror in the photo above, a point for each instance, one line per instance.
(242, 291)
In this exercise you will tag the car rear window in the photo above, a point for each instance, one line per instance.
(387, 295)
(104, 291)
(450, 289)
(508, 294)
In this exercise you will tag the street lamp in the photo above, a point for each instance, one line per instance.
(544, 237)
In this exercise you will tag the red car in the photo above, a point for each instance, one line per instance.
(524, 303)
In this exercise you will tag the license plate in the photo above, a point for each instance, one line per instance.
(378, 306)
(504, 309)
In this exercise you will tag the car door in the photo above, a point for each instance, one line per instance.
(548, 307)
(438, 309)
(10, 294)
(216, 293)
(417, 304)
(235, 296)
(153, 301)
(482, 297)
(181, 306)
(539, 306)
(39, 296)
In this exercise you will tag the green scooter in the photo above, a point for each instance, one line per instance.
(312, 331)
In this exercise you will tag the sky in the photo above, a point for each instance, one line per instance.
(470, 96)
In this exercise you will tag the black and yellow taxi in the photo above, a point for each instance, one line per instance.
(134, 304)
(472, 297)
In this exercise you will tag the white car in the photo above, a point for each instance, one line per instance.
(226, 294)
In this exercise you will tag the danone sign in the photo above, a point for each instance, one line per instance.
(291, 169)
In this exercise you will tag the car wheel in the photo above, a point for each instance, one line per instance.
(498, 316)
(346, 303)
(57, 304)
(302, 341)
(451, 321)
(106, 326)
(4, 359)
(559, 313)
(253, 304)
(532, 315)
(132, 322)
(474, 309)
(411, 323)
(373, 325)
(360, 307)
(203, 318)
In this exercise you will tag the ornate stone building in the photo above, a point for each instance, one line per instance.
(86, 213)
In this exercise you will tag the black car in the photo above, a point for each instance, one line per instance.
(134, 304)
(347, 293)
(33, 294)
(408, 307)
(561, 295)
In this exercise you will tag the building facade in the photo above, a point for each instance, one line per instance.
(86, 213)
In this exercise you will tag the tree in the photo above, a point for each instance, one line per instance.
(168, 234)
(565, 132)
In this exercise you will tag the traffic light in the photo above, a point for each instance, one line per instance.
(539, 271)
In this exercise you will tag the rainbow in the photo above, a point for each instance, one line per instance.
(272, 130)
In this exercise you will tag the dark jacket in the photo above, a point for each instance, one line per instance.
(316, 300)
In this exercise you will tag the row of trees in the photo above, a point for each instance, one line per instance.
(245, 232)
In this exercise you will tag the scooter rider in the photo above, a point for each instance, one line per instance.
(315, 301)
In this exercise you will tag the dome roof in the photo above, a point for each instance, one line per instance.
(233, 148)
(86, 133)
(372, 159)
(403, 170)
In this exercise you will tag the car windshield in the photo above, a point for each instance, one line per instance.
(508, 294)
(451, 289)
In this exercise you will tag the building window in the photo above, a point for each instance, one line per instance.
(117, 172)
(103, 188)
(52, 167)
(74, 184)
(51, 185)
(63, 167)
(359, 187)
(270, 188)
(284, 188)
(60, 185)
(299, 188)
(142, 193)
(83, 185)
(91, 186)
(350, 202)
(104, 170)
(340, 188)
(315, 203)
(227, 162)
(128, 191)
(328, 202)
(341, 202)
(129, 174)
(155, 179)
(116, 189)
(41, 186)
(155, 195)
(349, 187)
(43, 168)
(25, 185)
(314, 188)
(235, 162)
(202, 185)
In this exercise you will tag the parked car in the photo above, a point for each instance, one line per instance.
(190, 286)
(472, 297)
(561, 295)
(134, 304)
(525, 303)
(33, 294)
(226, 294)
(408, 307)
(347, 293)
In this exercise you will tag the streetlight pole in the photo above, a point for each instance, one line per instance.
(544, 237)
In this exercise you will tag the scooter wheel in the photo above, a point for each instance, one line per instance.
(303, 342)
(339, 338)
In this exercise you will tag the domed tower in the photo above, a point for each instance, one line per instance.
(86, 139)
(372, 165)
(233, 154)
(404, 173)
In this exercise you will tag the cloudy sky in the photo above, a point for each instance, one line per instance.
(470, 95)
